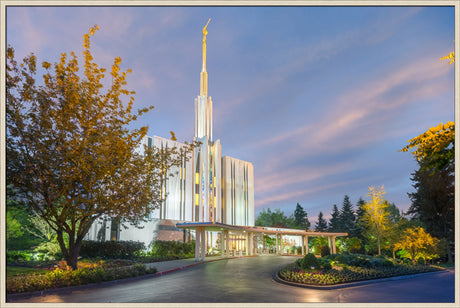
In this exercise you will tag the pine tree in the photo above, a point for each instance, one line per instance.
(358, 228)
(347, 216)
(321, 224)
(433, 203)
(301, 218)
(334, 222)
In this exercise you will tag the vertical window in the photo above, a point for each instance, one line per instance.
(114, 233)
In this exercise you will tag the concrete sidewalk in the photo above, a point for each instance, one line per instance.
(165, 267)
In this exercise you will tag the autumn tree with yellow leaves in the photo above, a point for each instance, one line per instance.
(375, 218)
(435, 147)
(70, 152)
(433, 202)
(416, 243)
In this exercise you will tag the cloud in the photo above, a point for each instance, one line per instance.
(261, 202)
(273, 181)
(368, 103)
(21, 25)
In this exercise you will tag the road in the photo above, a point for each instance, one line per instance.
(249, 280)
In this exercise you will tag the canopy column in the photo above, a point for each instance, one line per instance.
(222, 244)
(281, 244)
(306, 245)
(302, 243)
(197, 244)
(203, 243)
(333, 245)
(227, 243)
(276, 244)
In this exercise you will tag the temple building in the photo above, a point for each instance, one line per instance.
(209, 198)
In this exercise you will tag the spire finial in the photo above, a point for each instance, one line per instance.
(205, 32)
(204, 74)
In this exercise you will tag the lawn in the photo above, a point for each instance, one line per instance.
(20, 271)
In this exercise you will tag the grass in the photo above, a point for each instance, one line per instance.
(20, 271)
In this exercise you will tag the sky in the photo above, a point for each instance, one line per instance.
(319, 99)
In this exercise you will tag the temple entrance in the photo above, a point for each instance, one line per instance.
(213, 239)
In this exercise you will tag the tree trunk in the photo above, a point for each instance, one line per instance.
(378, 243)
(71, 254)
(449, 253)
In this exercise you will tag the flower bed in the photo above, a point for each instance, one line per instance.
(344, 274)
(64, 277)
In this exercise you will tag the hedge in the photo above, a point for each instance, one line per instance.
(110, 249)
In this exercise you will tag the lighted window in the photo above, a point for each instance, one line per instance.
(197, 178)
(197, 199)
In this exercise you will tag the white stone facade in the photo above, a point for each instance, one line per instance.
(206, 188)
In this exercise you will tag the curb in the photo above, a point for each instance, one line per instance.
(278, 279)
(89, 285)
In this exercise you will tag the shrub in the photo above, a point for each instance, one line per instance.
(421, 261)
(310, 261)
(110, 249)
(325, 264)
(387, 263)
(376, 262)
(342, 259)
(176, 248)
(325, 251)
(63, 278)
(298, 263)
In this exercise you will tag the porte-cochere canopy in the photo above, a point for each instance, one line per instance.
(240, 239)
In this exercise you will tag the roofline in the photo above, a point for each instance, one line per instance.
(194, 225)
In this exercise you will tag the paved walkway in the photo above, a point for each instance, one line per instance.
(166, 267)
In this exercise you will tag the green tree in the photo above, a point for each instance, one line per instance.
(334, 222)
(358, 228)
(277, 218)
(375, 216)
(318, 242)
(18, 221)
(301, 218)
(321, 224)
(418, 244)
(433, 204)
(70, 151)
(347, 215)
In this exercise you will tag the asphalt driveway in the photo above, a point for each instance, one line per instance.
(249, 280)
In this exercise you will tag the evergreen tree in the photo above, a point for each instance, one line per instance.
(277, 218)
(358, 228)
(433, 204)
(334, 222)
(347, 216)
(321, 224)
(301, 218)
